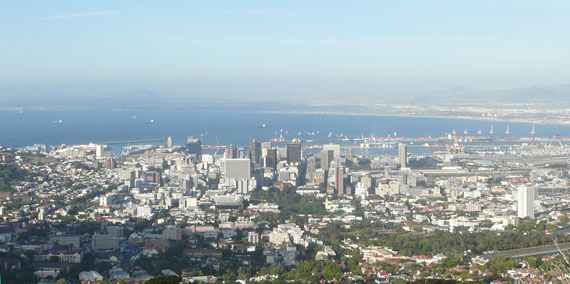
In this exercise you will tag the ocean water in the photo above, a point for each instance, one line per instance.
(239, 128)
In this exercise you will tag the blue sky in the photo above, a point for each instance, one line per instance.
(277, 48)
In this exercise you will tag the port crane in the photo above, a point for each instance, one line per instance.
(218, 146)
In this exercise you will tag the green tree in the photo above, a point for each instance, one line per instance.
(164, 280)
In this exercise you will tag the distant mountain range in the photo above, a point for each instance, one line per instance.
(534, 94)
(553, 94)
(148, 99)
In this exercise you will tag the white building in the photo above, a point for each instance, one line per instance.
(188, 202)
(525, 202)
(403, 155)
(361, 191)
(144, 211)
(237, 169)
(334, 147)
(92, 276)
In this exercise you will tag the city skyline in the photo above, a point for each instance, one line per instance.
(326, 141)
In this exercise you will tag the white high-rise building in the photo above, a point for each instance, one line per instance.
(237, 169)
(525, 202)
(403, 155)
(169, 142)
(102, 151)
(334, 147)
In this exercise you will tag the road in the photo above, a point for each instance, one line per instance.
(533, 251)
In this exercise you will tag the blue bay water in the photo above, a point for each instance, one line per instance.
(239, 128)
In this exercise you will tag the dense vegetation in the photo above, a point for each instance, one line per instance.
(11, 174)
(290, 203)
(528, 234)
(164, 280)
(173, 259)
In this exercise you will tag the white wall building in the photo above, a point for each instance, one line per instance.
(525, 202)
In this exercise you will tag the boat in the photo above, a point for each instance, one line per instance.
(278, 140)
(134, 116)
(150, 121)
(57, 121)
(262, 125)
(428, 146)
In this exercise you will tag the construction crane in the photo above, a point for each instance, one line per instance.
(217, 146)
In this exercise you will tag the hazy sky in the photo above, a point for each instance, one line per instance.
(273, 48)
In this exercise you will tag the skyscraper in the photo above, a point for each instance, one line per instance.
(403, 155)
(311, 164)
(237, 169)
(255, 152)
(102, 151)
(327, 156)
(194, 147)
(293, 153)
(334, 147)
(339, 180)
(231, 152)
(271, 158)
(264, 147)
(348, 153)
(169, 142)
(525, 202)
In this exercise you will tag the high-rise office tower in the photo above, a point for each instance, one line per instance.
(311, 164)
(404, 177)
(403, 155)
(255, 152)
(271, 158)
(231, 152)
(102, 151)
(339, 180)
(334, 147)
(293, 153)
(237, 169)
(525, 202)
(169, 142)
(327, 156)
(348, 153)
(194, 147)
(264, 147)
